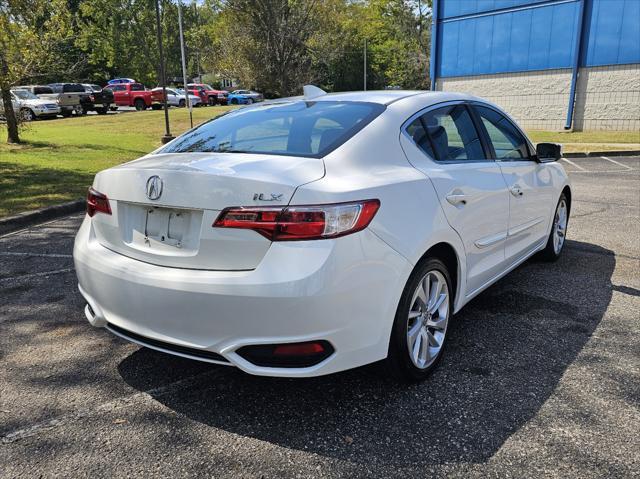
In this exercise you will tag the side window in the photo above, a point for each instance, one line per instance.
(507, 141)
(447, 134)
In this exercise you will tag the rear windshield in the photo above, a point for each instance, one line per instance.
(295, 128)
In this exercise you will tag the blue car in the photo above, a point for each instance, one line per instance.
(244, 97)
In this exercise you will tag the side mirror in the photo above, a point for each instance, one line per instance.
(548, 151)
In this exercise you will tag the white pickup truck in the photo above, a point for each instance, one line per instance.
(29, 107)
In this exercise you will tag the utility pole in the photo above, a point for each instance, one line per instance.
(365, 64)
(167, 135)
(187, 100)
(195, 9)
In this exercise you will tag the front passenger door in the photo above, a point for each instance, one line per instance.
(528, 182)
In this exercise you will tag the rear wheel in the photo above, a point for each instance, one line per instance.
(420, 326)
(66, 113)
(555, 242)
(139, 104)
(249, 101)
(102, 111)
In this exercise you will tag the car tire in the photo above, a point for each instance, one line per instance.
(66, 113)
(139, 104)
(419, 333)
(113, 108)
(234, 101)
(102, 111)
(211, 101)
(249, 101)
(182, 103)
(558, 234)
(26, 114)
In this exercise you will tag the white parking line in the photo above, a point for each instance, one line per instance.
(574, 164)
(34, 275)
(617, 163)
(37, 255)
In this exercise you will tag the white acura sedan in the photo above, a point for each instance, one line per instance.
(310, 235)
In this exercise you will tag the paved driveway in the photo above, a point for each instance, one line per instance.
(541, 377)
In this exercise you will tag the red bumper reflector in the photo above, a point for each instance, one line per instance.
(298, 349)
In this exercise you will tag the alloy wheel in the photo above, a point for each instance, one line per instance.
(560, 226)
(427, 319)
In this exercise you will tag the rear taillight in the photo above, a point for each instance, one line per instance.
(301, 222)
(97, 203)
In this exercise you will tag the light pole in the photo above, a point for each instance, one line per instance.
(166, 138)
(187, 100)
(365, 65)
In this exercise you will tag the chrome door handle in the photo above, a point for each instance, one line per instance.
(516, 190)
(457, 199)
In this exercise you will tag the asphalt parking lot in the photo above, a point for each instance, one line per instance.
(541, 376)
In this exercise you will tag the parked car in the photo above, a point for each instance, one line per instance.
(133, 94)
(68, 102)
(117, 81)
(72, 97)
(244, 97)
(318, 234)
(176, 97)
(207, 94)
(103, 99)
(254, 96)
(29, 107)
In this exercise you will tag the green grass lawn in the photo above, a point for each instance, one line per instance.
(58, 159)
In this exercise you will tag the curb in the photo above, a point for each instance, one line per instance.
(30, 218)
(591, 154)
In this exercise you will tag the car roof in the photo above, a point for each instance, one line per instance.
(386, 97)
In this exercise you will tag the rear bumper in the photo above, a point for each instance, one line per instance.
(344, 291)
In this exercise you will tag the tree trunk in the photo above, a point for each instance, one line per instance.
(9, 114)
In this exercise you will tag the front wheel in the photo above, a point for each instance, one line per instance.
(420, 326)
(212, 101)
(249, 101)
(182, 103)
(102, 111)
(555, 242)
(26, 114)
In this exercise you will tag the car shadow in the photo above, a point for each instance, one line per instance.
(507, 351)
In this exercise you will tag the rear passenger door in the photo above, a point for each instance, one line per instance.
(443, 142)
(528, 181)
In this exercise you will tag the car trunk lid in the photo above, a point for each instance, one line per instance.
(191, 189)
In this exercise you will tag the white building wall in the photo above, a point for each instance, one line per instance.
(607, 98)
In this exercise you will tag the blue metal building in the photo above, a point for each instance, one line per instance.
(531, 52)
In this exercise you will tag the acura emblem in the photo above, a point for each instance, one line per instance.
(154, 187)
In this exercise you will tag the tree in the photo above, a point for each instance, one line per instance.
(35, 39)
(264, 43)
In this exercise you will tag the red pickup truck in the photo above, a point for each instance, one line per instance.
(207, 94)
(136, 95)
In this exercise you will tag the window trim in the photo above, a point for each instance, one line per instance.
(530, 149)
(437, 106)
